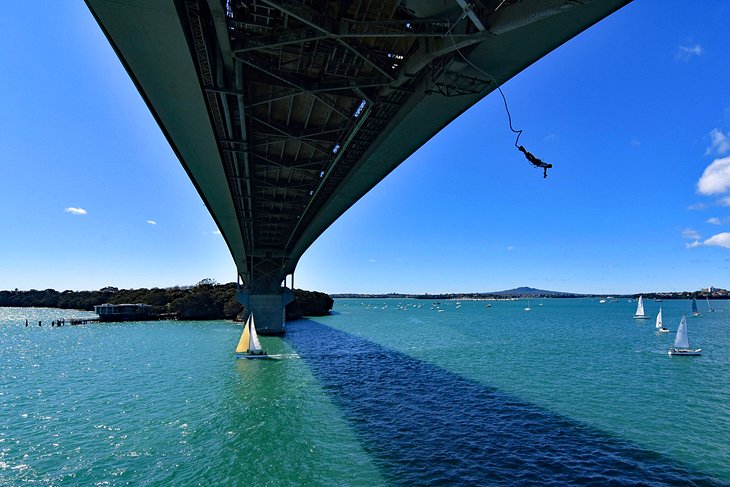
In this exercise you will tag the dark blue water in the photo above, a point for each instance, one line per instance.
(427, 426)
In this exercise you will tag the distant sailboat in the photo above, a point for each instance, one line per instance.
(249, 346)
(659, 325)
(712, 310)
(681, 341)
(528, 306)
(694, 308)
(640, 310)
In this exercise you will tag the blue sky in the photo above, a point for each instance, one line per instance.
(634, 114)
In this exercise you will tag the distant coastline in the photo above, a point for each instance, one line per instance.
(206, 300)
(528, 292)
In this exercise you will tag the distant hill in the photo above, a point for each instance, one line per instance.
(531, 291)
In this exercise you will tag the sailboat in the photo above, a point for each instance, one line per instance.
(694, 308)
(640, 310)
(659, 325)
(712, 310)
(528, 306)
(681, 341)
(249, 346)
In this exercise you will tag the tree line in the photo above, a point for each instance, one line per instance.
(204, 301)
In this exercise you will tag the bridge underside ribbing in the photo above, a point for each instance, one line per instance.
(284, 113)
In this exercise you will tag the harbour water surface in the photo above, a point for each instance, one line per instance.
(383, 392)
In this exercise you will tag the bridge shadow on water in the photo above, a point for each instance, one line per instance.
(424, 425)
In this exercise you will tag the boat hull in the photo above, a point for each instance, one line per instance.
(685, 351)
(252, 356)
(641, 317)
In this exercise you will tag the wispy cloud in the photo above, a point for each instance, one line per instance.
(697, 206)
(217, 232)
(724, 201)
(716, 177)
(635, 143)
(152, 222)
(719, 143)
(549, 137)
(75, 211)
(691, 233)
(371, 260)
(688, 51)
(714, 221)
(719, 240)
(693, 245)
(510, 248)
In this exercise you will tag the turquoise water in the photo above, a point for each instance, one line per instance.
(381, 393)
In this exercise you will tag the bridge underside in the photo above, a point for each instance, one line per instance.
(284, 113)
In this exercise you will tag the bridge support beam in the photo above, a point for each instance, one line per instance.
(269, 310)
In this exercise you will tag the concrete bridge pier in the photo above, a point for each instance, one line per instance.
(269, 310)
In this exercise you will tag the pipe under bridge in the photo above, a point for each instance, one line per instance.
(284, 113)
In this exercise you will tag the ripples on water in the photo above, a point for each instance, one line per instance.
(573, 393)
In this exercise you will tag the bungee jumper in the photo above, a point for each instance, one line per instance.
(466, 6)
(537, 162)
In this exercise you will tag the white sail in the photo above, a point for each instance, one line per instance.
(640, 307)
(682, 338)
(659, 319)
(254, 345)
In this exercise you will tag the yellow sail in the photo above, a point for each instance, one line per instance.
(245, 337)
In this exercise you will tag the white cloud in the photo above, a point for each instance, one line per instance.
(691, 233)
(217, 232)
(716, 177)
(685, 53)
(152, 222)
(725, 201)
(75, 211)
(510, 248)
(719, 143)
(719, 240)
(697, 206)
(714, 221)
